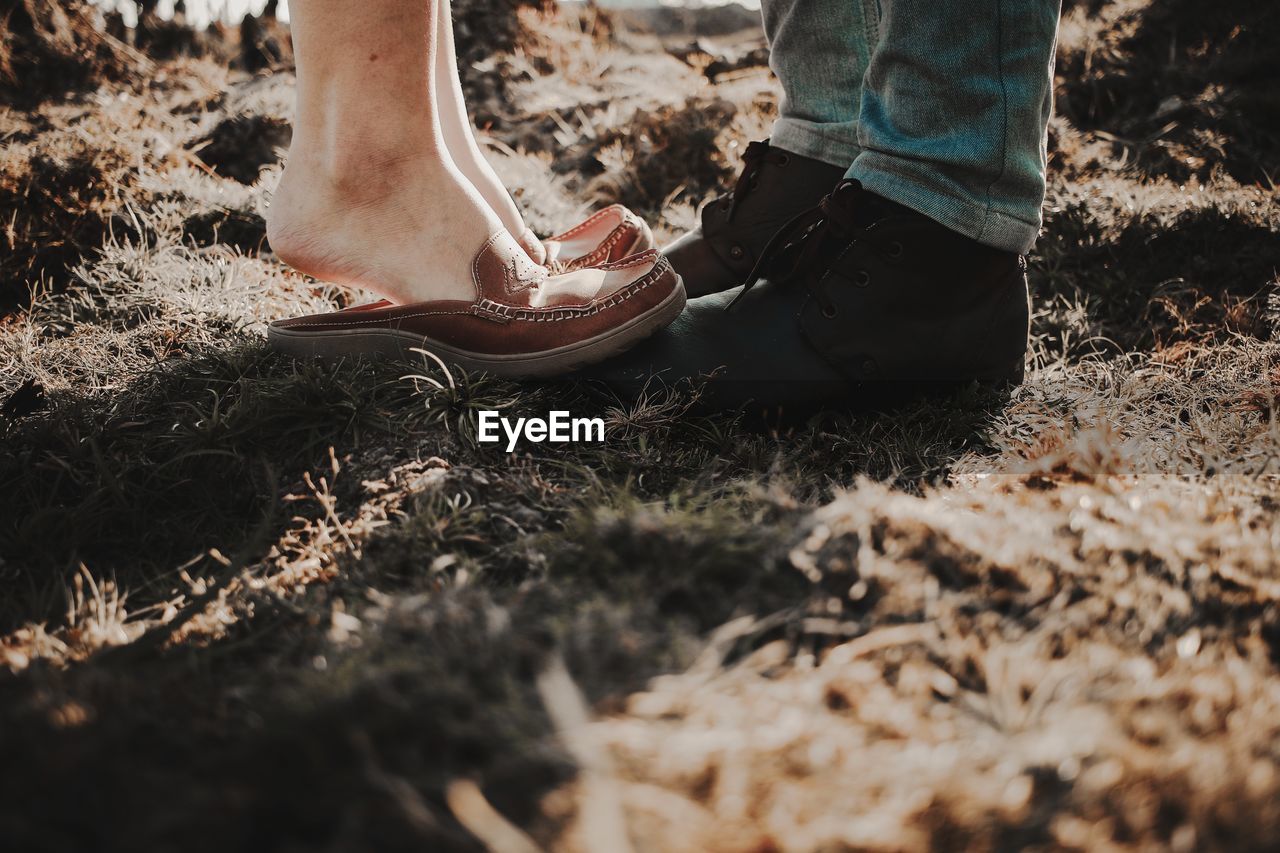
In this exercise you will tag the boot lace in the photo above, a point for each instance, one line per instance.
(796, 249)
(754, 158)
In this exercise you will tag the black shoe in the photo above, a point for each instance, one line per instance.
(859, 301)
(774, 187)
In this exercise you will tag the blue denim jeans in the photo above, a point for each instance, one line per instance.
(941, 105)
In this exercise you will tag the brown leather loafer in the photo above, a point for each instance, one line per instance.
(774, 187)
(524, 321)
(608, 235)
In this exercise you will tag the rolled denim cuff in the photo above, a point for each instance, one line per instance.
(835, 144)
(923, 189)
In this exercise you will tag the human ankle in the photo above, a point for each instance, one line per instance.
(354, 160)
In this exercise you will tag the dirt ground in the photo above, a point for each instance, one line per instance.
(252, 604)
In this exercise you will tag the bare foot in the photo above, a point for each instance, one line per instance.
(459, 138)
(466, 155)
(407, 228)
(370, 195)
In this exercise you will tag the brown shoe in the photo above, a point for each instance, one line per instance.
(774, 187)
(606, 236)
(524, 322)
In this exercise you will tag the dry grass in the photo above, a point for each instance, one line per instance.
(1078, 664)
(252, 604)
(48, 48)
(1174, 89)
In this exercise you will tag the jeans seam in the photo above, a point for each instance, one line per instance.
(885, 164)
(870, 25)
(818, 144)
(1004, 120)
(880, 174)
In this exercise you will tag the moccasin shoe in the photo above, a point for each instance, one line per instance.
(775, 185)
(523, 322)
(608, 235)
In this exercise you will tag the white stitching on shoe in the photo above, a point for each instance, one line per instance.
(587, 223)
(487, 306)
(513, 283)
(599, 253)
(475, 264)
(498, 312)
(635, 260)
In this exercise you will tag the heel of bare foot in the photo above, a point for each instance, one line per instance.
(408, 230)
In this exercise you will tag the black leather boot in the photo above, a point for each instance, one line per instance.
(774, 187)
(860, 301)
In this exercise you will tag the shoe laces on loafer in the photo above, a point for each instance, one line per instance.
(807, 245)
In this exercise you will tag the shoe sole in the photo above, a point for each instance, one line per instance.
(334, 344)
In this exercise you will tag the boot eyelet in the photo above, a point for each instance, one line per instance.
(737, 253)
(862, 278)
(893, 250)
(784, 159)
(830, 311)
(868, 367)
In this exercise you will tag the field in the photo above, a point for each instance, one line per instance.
(252, 604)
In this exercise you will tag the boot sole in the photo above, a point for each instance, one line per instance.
(399, 345)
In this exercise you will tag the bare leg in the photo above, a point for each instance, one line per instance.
(459, 136)
(369, 194)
